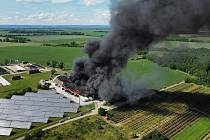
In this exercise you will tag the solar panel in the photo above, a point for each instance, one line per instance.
(9, 106)
(20, 124)
(21, 111)
(67, 110)
(17, 118)
(43, 95)
(3, 116)
(12, 111)
(6, 101)
(54, 114)
(5, 123)
(47, 91)
(24, 102)
(38, 119)
(33, 113)
(50, 109)
(5, 131)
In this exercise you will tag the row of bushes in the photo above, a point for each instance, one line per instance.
(16, 39)
(72, 44)
(56, 64)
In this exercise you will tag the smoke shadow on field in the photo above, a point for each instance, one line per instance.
(198, 102)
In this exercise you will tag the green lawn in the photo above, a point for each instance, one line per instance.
(85, 129)
(151, 75)
(195, 131)
(27, 81)
(41, 55)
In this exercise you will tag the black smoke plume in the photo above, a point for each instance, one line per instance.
(135, 24)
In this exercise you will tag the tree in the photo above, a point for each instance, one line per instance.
(73, 44)
(102, 111)
(53, 71)
(54, 64)
(155, 135)
(6, 61)
(61, 65)
(48, 63)
(34, 135)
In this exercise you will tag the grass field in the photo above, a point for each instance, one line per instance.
(176, 44)
(27, 81)
(58, 39)
(87, 129)
(195, 131)
(151, 75)
(41, 55)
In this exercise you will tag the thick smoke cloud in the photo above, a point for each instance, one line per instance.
(135, 24)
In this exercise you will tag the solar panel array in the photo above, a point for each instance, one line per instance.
(22, 111)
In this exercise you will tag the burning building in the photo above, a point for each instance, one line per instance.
(135, 24)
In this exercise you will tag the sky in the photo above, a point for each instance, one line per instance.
(54, 12)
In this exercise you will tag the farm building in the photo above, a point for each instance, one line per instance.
(3, 71)
(33, 69)
(16, 68)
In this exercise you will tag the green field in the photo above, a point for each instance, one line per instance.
(152, 75)
(58, 39)
(176, 44)
(27, 81)
(41, 55)
(195, 131)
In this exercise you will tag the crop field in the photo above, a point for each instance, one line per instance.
(177, 124)
(195, 131)
(144, 118)
(173, 114)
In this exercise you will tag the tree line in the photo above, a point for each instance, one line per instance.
(16, 39)
(43, 32)
(55, 64)
(71, 45)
